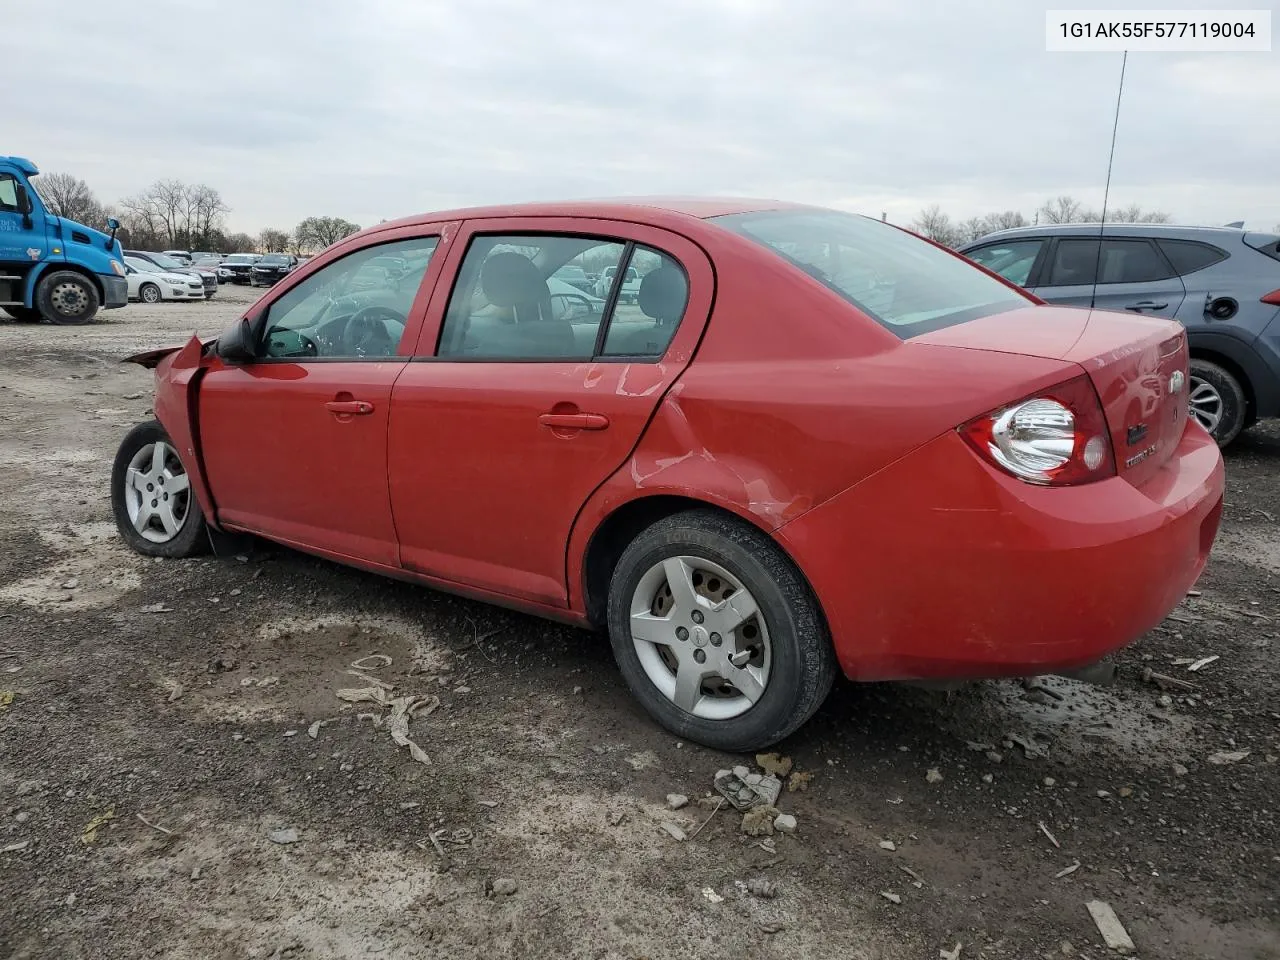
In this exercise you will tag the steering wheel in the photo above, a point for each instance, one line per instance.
(366, 331)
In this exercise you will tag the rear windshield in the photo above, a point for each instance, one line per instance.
(1267, 243)
(904, 283)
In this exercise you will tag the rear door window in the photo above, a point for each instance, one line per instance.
(1188, 256)
(1077, 261)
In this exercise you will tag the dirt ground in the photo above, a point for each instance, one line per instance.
(149, 754)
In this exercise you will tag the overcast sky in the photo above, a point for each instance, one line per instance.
(389, 107)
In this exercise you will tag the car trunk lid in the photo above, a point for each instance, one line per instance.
(1138, 365)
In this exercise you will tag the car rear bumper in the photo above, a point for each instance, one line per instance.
(115, 291)
(943, 567)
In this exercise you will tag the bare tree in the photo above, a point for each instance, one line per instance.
(238, 243)
(972, 229)
(316, 233)
(207, 210)
(1006, 220)
(68, 196)
(272, 240)
(1064, 209)
(931, 222)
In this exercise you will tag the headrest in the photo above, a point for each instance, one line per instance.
(510, 279)
(663, 293)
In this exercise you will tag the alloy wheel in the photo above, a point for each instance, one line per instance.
(700, 638)
(1205, 403)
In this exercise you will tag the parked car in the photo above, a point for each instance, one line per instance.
(238, 267)
(183, 255)
(630, 291)
(1222, 284)
(761, 474)
(573, 274)
(270, 268)
(208, 277)
(151, 284)
(211, 264)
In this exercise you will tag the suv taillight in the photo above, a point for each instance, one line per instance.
(1056, 438)
(1272, 298)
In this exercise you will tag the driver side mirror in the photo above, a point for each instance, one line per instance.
(25, 206)
(236, 344)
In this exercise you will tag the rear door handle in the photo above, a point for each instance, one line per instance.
(1146, 305)
(360, 408)
(574, 421)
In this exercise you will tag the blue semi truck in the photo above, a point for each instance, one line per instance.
(51, 268)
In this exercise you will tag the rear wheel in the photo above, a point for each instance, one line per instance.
(23, 314)
(151, 498)
(1217, 401)
(66, 297)
(716, 632)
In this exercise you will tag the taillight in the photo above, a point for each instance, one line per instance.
(1058, 437)
(1272, 298)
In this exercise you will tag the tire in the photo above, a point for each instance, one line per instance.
(150, 293)
(66, 297)
(135, 464)
(23, 314)
(789, 648)
(1217, 401)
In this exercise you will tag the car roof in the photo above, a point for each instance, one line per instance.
(654, 209)
(1169, 230)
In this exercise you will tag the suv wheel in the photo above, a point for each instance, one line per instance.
(1217, 401)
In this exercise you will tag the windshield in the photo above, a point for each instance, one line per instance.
(168, 263)
(904, 283)
(240, 258)
(274, 258)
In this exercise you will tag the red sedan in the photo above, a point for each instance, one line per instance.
(816, 442)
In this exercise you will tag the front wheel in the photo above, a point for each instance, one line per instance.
(151, 498)
(66, 297)
(149, 293)
(716, 632)
(1216, 400)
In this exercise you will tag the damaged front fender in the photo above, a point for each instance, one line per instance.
(178, 371)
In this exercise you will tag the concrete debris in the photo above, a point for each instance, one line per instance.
(155, 608)
(1224, 757)
(978, 747)
(988, 778)
(711, 895)
(1202, 663)
(1113, 932)
(676, 800)
(772, 928)
(1067, 871)
(953, 954)
(373, 661)
(505, 886)
(891, 897)
(764, 889)
(1126, 791)
(917, 881)
(1179, 770)
(15, 847)
(1049, 781)
(995, 756)
(799, 781)
(934, 776)
(888, 845)
(774, 764)
(784, 823)
(289, 835)
(676, 833)
(1033, 750)
(758, 821)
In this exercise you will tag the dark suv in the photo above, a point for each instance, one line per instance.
(272, 267)
(1221, 283)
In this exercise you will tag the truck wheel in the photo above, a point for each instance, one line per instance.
(23, 314)
(149, 293)
(64, 297)
(1216, 400)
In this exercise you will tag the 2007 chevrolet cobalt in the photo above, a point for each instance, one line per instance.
(815, 442)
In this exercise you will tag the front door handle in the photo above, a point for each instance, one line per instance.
(1146, 305)
(359, 408)
(574, 421)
